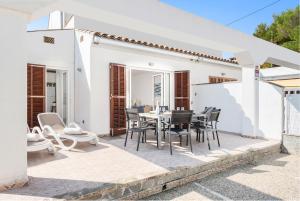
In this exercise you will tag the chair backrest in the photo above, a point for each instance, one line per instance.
(163, 108)
(132, 114)
(215, 113)
(206, 109)
(50, 119)
(181, 116)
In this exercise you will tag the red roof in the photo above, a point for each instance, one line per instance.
(163, 47)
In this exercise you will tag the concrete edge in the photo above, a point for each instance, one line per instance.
(16, 184)
(179, 176)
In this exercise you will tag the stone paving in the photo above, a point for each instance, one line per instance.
(84, 173)
(275, 178)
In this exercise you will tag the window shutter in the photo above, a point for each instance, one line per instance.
(117, 99)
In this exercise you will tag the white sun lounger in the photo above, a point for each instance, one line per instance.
(53, 126)
(40, 144)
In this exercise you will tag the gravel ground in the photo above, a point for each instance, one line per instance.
(275, 178)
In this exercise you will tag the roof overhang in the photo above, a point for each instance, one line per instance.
(156, 18)
(290, 83)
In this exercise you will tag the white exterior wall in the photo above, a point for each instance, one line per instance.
(13, 155)
(224, 96)
(270, 111)
(83, 79)
(96, 79)
(58, 56)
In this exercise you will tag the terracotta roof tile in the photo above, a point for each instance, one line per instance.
(159, 46)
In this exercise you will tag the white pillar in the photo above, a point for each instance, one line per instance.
(250, 102)
(13, 156)
(250, 93)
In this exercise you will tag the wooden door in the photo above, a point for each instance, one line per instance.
(117, 99)
(35, 93)
(182, 89)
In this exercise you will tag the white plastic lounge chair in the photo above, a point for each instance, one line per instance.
(41, 143)
(53, 126)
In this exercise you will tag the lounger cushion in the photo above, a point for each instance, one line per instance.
(73, 131)
(33, 137)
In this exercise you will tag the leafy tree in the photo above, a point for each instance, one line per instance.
(284, 31)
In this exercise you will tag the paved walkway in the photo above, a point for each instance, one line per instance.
(90, 167)
(276, 178)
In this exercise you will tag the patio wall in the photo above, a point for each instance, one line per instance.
(270, 111)
(228, 97)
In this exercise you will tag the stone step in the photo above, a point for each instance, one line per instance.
(176, 177)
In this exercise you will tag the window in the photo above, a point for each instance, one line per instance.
(49, 40)
(215, 79)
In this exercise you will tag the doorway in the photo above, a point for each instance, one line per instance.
(47, 91)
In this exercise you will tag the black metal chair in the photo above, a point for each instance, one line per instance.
(178, 120)
(214, 117)
(163, 109)
(141, 127)
(208, 124)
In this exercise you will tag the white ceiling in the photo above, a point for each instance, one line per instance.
(25, 6)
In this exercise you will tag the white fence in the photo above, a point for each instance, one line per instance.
(292, 114)
(228, 97)
(270, 111)
(225, 96)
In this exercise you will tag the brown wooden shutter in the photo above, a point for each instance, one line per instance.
(35, 93)
(182, 89)
(117, 99)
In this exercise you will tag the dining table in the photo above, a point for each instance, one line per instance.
(159, 118)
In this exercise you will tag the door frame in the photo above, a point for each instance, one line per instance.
(59, 92)
(158, 71)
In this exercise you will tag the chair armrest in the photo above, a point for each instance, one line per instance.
(38, 131)
(49, 129)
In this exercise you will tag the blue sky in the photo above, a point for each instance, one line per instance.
(225, 11)
(221, 11)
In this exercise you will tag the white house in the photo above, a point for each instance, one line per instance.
(84, 57)
(82, 72)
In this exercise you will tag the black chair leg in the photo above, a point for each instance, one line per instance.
(213, 135)
(207, 140)
(138, 142)
(202, 136)
(218, 138)
(157, 141)
(180, 140)
(187, 140)
(145, 137)
(170, 141)
(126, 138)
(190, 137)
(131, 134)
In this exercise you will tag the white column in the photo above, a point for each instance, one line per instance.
(250, 92)
(250, 104)
(13, 155)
